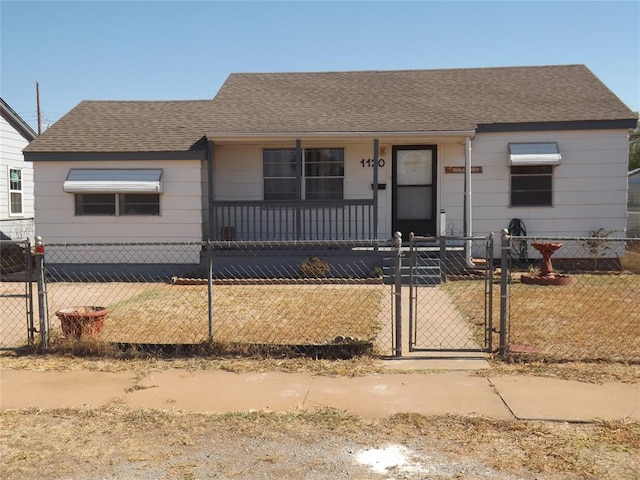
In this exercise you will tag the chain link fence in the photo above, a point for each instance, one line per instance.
(633, 224)
(323, 297)
(451, 283)
(16, 306)
(582, 303)
(334, 298)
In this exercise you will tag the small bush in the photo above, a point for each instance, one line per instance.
(314, 267)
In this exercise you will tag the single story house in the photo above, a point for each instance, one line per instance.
(341, 155)
(16, 176)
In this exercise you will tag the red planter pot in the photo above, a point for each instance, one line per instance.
(78, 321)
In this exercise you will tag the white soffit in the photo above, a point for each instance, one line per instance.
(534, 154)
(113, 181)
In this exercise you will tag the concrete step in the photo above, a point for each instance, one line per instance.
(425, 272)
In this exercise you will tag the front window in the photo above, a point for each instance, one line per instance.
(532, 186)
(279, 168)
(15, 191)
(139, 204)
(322, 174)
(117, 204)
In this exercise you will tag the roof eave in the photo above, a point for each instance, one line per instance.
(16, 121)
(195, 154)
(560, 125)
(238, 137)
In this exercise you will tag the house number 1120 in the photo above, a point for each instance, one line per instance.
(370, 163)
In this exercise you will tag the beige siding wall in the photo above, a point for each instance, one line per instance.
(451, 187)
(180, 216)
(589, 186)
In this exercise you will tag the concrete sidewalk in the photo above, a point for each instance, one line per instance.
(450, 392)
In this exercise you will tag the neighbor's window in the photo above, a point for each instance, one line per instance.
(117, 204)
(532, 186)
(322, 174)
(15, 191)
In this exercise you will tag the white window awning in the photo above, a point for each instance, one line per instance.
(113, 181)
(524, 154)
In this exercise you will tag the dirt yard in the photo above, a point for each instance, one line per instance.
(119, 442)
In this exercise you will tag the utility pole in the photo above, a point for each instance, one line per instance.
(38, 108)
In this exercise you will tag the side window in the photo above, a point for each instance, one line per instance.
(15, 191)
(532, 186)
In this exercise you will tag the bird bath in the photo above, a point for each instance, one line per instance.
(547, 276)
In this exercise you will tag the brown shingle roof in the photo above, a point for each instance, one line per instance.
(371, 101)
(412, 100)
(130, 126)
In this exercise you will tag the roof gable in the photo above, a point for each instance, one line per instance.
(411, 100)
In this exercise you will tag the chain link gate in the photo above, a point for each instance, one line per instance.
(16, 294)
(450, 294)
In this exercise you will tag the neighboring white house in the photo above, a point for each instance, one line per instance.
(342, 155)
(16, 176)
(633, 208)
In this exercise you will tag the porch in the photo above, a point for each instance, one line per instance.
(262, 221)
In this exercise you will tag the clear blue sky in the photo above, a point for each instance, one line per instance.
(149, 50)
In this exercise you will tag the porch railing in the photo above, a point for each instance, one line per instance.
(293, 220)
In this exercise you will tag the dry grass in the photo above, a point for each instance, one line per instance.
(631, 260)
(359, 366)
(591, 372)
(114, 442)
(257, 314)
(597, 319)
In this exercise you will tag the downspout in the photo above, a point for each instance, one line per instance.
(466, 216)
(210, 193)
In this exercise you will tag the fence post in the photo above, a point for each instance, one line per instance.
(443, 246)
(504, 282)
(397, 240)
(42, 294)
(29, 279)
(489, 273)
(210, 288)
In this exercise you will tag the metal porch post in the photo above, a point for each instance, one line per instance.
(210, 193)
(298, 189)
(375, 188)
